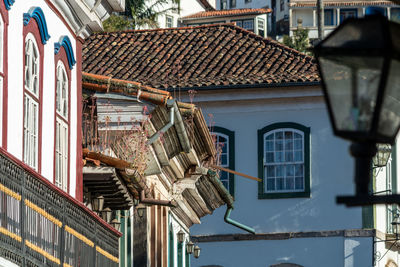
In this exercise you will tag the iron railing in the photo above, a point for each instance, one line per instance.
(42, 226)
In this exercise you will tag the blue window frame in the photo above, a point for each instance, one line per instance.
(329, 17)
(284, 160)
(347, 13)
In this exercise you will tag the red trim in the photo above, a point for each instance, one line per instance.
(33, 28)
(62, 56)
(4, 15)
(61, 17)
(59, 191)
(79, 157)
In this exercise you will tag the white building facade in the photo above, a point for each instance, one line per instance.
(40, 135)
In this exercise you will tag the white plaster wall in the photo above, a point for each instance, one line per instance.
(56, 28)
(331, 166)
(305, 14)
(177, 226)
(310, 252)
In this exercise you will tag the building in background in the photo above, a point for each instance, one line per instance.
(264, 103)
(253, 20)
(335, 12)
(43, 219)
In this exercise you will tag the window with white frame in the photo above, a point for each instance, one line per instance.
(31, 102)
(61, 149)
(284, 160)
(169, 21)
(224, 140)
(222, 146)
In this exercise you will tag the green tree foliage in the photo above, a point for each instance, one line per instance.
(298, 41)
(139, 14)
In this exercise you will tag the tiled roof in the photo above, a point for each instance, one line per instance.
(210, 55)
(338, 3)
(228, 12)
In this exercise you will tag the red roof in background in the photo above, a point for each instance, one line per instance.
(330, 3)
(228, 12)
(209, 55)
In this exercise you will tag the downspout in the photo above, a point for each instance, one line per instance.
(175, 118)
(158, 202)
(229, 202)
(154, 137)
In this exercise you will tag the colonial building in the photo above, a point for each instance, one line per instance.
(43, 220)
(335, 11)
(143, 146)
(264, 103)
(254, 20)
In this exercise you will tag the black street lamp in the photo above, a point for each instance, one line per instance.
(359, 64)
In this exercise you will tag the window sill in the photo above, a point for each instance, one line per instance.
(284, 195)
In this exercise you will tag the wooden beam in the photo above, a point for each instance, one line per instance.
(235, 172)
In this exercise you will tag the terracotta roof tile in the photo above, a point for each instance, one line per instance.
(228, 12)
(210, 55)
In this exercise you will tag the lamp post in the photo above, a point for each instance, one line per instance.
(359, 64)
(396, 225)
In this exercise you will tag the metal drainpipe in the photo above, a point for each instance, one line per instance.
(154, 137)
(229, 202)
(235, 223)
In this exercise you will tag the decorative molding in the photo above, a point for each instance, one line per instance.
(8, 3)
(38, 15)
(287, 235)
(66, 43)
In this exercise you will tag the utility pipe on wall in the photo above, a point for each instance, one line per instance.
(159, 202)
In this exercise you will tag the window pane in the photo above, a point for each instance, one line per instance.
(269, 146)
(289, 170)
(289, 156)
(279, 145)
(298, 144)
(224, 159)
(298, 169)
(299, 183)
(280, 184)
(289, 183)
(298, 155)
(269, 157)
(270, 184)
(269, 137)
(279, 171)
(271, 171)
(279, 135)
(279, 157)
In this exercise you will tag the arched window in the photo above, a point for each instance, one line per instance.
(62, 127)
(224, 140)
(65, 60)
(31, 101)
(35, 37)
(284, 160)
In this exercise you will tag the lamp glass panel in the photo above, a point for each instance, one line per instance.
(352, 86)
(382, 155)
(389, 120)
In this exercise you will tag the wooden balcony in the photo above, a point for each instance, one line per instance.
(40, 225)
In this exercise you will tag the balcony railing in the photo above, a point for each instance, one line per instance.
(41, 225)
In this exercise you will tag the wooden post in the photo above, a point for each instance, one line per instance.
(320, 21)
